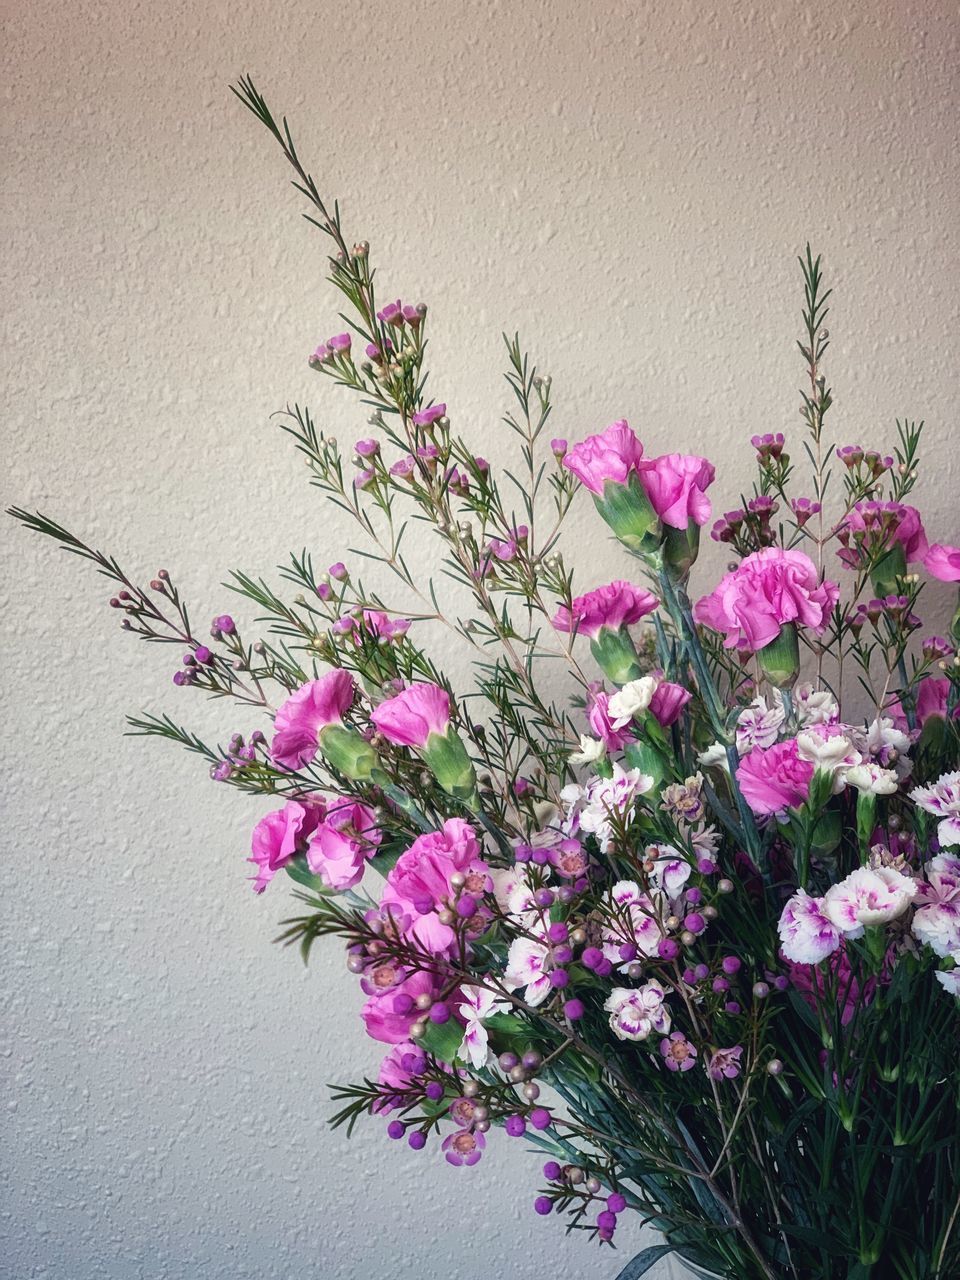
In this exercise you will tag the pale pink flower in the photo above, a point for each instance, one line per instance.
(943, 562)
(619, 604)
(893, 522)
(613, 455)
(675, 484)
(635, 1013)
(398, 1070)
(525, 969)
(476, 1004)
(391, 1010)
(339, 848)
(937, 918)
(868, 896)
(807, 935)
(759, 725)
(301, 718)
(815, 706)
(724, 1064)
(943, 801)
(767, 589)
(637, 920)
(677, 1052)
(776, 779)
(410, 718)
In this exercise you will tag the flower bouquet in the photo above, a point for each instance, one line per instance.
(648, 898)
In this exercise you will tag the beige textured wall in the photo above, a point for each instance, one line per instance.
(627, 184)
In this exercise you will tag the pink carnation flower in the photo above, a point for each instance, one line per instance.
(279, 836)
(932, 694)
(419, 887)
(299, 720)
(342, 843)
(409, 719)
(942, 799)
(668, 702)
(807, 935)
(619, 604)
(943, 562)
(767, 589)
(675, 484)
(612, 455)
(937, 918)
(775, 779)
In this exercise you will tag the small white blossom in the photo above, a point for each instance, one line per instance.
(477, 1003)
(715, 757)
(525, 969)
(591, 750)
(633, 699)
(829, 751)
(815, 706)
(871, 778)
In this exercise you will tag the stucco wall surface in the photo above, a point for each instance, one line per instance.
(626, 184)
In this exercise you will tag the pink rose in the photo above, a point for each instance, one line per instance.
(279, 836)
(342, 843)
(419, 886)
(619, 604)
(807, 935)
(299, 720)
(767, 589)
(943, 562)
(409, 719)
(613, 455)
(675, 484)
(775, 779)
(668, 702)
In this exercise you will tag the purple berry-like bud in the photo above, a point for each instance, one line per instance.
(417, 1140)
(562, 954)
(628, 951)
(532, 1060)
(604, 968)
(515, 1126)
(616, 1202)
(225, 624)
(730, 964)
(179, 677)
(395, 1129)
(689, 976)
(203, 654)
(668, 949)
(720, 985)
(732, 1007)
(544, 898)
(781, 983)
(543, 1205)
(434, 1091)
(551, 1171)
(700, 972)
(540, 1118)
(706, 866)
(558, 932)
(573, 1009)
(694, 922)
(466, 906)
(559, 978)
(694, 897)
(606, 1220)
(592, 957)
(440, 1012)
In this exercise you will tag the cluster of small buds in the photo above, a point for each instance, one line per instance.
(374, 352)
(223, 625)
(337, 347)
(193, 664)
(569, 1177)
(896, 609)
(396, 314)
(804, 509)
(750, 529)
(853, 456)
(769, 447)
(239, 754)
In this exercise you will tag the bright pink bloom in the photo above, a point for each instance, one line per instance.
(668, 702)
(775, 779)
(769, 588)
(342, 843)
(932, 695)
(389, 1014)
(299, 720)
(612, 455)
(279, 836)
(943, 562)
(412, 716)
(675, 484)
(619, 604)
(418, 886)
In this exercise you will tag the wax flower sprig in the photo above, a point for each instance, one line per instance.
(669, 890)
